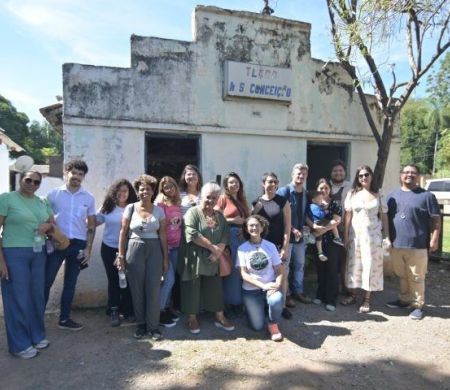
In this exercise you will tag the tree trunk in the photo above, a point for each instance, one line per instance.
(383, 152)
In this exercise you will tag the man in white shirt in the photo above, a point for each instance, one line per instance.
(339, 190)
(74, 210)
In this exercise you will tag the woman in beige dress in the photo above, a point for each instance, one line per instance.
(365, 224)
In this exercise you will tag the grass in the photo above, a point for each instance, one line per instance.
(446, 235)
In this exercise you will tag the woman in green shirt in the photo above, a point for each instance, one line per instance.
(25, 219)
(205, 237)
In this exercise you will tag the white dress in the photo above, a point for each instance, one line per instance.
(365, 254)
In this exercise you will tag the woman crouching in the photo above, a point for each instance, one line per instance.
(262, 274)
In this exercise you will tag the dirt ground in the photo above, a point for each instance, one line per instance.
(321, 350)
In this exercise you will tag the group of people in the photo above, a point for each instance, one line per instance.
(170, 239)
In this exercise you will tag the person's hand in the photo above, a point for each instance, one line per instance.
(434, 245)
(120, 263)
(87, 256)
(271, 288)
(4, 270)
(44, 228)
(297, 234)
(213, 258)
(387, 243)
(216, 251)
(320, 229)
(283, 254)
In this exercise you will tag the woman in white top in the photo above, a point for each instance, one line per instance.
(190, 185)
(120, 194)
(262, 274)
(146, 257)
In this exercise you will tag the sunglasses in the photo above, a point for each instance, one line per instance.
(363, 175)
(29, 181)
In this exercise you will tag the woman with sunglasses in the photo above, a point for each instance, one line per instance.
(365, 224)
(25, 219)
(233, 205)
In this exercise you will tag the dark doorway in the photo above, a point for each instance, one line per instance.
(168, 154)
(320, 155)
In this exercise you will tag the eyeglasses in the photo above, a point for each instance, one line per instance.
(28, 180)
(272, 181)
(364, 175)
(409, 173)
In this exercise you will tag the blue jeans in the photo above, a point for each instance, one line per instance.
(254, 302)
(297, 267)
(23, 298)
(169, 279)
(71, 272)
(232, 284)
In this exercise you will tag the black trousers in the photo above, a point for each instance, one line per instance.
(117, 297)
(328, 273)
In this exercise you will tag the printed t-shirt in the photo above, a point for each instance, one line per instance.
(173, 222)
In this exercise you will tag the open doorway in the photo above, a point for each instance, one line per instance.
(320, 155)
(167, 154)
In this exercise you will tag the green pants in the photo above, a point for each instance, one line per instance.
(202, 293)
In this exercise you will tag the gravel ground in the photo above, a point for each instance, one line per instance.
(321, 350)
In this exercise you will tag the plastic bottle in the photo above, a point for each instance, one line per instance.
(37, 242)
(122, 279)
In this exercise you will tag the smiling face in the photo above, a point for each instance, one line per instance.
(324, 189)
(74, 177)
(233, 185)
(270, 185)
(30, 183)
(254, 229)
(364, 178)
(122, 195)
(191, 178)
(299, 176)
(338, 174)
(409, 177)
(209, 200)
(145, 192)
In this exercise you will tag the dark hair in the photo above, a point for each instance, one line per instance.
(356, 186)
(161, 197)
(77, 164)
(242, 199)
(337, 163)
(22, 175)
(110, 201)
(267, 174)
(323, 180)
(147, 180)
(182, 183)
(262, 221)
(411, 165)
(312, 194)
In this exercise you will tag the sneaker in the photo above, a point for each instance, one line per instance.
(398, 304)
(290, 302)
(322, 257)
(70, 325)
(224, 324)
(317, 301)
(301, 298)
(416, 314)
(42, 344)
(338, 241)
(275, 334)
(173, 316)
(140, 332)
(28, 353)
(330, 307)
(115, 317)
(165, 320)
(155, 334)
(194, 326)
(286, 314)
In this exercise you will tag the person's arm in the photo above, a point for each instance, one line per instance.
(163, 238)
(347, 221)
(123, 238)
(3, 266)
(435, 232)
(91, 226)
(287, 231)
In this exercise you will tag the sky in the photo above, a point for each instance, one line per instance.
(38, 36)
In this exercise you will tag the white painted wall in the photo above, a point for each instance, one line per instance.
(4, 168)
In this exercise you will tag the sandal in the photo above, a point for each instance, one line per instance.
(365, 307)
(349, 300)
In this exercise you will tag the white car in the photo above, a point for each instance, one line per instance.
(441, 189)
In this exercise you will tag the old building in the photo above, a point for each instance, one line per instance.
(244, 95)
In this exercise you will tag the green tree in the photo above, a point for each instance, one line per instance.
(43, 141)
(363, 32)
(439, 83)
(13, 122)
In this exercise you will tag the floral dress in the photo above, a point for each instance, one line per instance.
(365, 253)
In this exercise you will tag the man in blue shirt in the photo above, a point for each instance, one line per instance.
(295, 193)
(74, 210)
(411, 209)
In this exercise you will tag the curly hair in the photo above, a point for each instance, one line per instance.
(262, 221)
(145, 180)
(182, 183)
(162, 197)
(77, 164)
(110, 201)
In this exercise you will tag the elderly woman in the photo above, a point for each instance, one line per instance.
(146, 256)
(365, 222)
(25, 219)
(205, 236)
(119, 195)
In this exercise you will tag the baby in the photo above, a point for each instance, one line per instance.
(317, 212)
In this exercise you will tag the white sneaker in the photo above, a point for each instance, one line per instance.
(42, 344)
(330, 307)
(317, 301)
(416, 314)
(28, 353)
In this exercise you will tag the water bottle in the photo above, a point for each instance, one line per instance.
(49, 247)
(37, 242)
(80, 258)
(122, 279)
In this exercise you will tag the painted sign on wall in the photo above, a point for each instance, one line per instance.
(257, 81)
